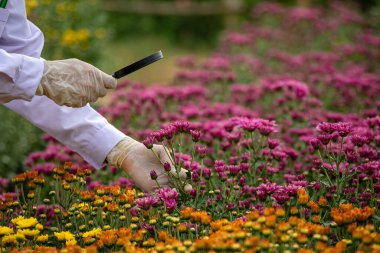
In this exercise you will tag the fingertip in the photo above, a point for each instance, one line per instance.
(110, 82)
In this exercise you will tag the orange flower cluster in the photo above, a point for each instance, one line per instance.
(303, 196)
(347, 214)
(200, 216)
(367, 237)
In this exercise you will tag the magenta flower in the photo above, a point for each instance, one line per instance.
(147, 202)
(167, 193)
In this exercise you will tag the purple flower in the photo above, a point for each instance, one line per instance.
(167, 193)
(167, 167)
(149, 142)
(343, 128)
(195, 135)
(170, 204)
(325, 127)
(146, 202)
(153, 175)
(281, 196)
(134, 211)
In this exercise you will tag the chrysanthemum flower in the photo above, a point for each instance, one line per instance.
(5, 230)
(22, 222)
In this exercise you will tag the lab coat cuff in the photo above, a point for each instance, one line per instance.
(101, 145)
(27, 78)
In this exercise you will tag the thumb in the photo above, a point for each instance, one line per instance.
(109, 82)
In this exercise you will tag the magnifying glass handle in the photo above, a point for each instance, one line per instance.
(138, 65)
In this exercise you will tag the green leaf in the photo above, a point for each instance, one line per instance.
(325, 182)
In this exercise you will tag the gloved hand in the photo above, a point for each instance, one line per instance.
(138, 162)
(73, 82)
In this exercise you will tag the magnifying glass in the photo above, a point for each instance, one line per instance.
(138, 65)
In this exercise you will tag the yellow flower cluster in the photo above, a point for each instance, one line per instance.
(72, 38)
(26, 229)
(66, 237)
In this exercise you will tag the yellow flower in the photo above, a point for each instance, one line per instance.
(71, 242)
(9, 240)
(43, 238)
(29, 232)
(39, 226)
(5, 230)
(22, 222)
(31, 5)
(64, 236)
(93, 233)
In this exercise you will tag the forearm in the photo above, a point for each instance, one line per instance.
(82, 129)
(20, 76)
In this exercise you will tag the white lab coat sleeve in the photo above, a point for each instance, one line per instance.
(82, 129)
(20, 76)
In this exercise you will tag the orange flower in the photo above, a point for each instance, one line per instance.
(182, 227)
(217, 225)
(69, 177)
(124, 232)
(87, 196)
(130, 196)
(123, 199)
(81, 172)
(294, 210)
(186, 213)
(138, 236)
(112, 207)
(293, 221)
(346, 207)
(319, 246)
(364, 213)
(201, 216)
(149, 243)
(20, 178)
(108, 237)
(251, 242)
(271, 221)
(59, 171)
(316, 219)
(303, 199)
(268, 211)
(341, 246)
(163, 235)
(280, 212)
(302, 239)
(252, 216)
(322, 201)
(115, 190)
(38, 180)
(67, 166)
(314, 206)
(303, 196)
(283, 226)
(305, 251)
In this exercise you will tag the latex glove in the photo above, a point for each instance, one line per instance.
(73, 82)
(138, 162)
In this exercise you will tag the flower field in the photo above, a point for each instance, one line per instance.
(279, 130)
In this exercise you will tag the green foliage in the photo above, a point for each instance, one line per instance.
(17, 139)
(185, 30)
